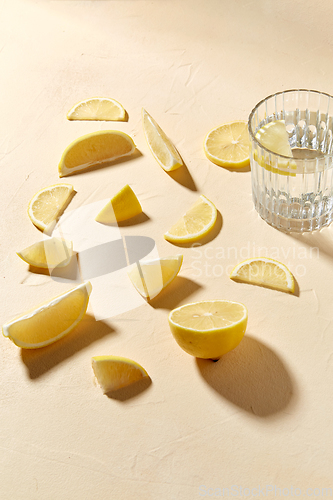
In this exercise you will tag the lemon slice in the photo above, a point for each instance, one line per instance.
(160, 145)
(264, 272)
(114, 372)
(50, 253)
(228, 145)
(93, 149)
(150, 277)
(274, 137)
(208, 329)
(124, 205)
(97, 108)
(195, 223)
(50, 321)
(48, 203)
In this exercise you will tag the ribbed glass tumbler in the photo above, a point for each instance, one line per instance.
(294, 193)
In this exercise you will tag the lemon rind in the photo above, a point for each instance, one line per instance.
(45, 305)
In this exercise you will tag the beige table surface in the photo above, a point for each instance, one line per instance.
(259, 421)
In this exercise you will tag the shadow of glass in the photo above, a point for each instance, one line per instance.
(318, 241)
(40, 361)
(171, 296)
(251, 377)
(183, 177)
(130, 391)
(206, 239)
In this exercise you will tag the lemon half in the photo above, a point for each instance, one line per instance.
(209, 329)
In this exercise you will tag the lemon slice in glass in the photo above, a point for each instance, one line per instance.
(228, 145)
(97, 108)
(49, 253)
(150, 277)
(48, 204)
(264, 272)
(196, 223)
(160, 145)
(274, 137)
(124, 205)
(115, 372)
(51, 320)
(208, 329)
(94, 149)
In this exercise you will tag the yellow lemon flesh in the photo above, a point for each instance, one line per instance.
(274, 137)
(150, 277)
(97, 108)
(124, 205)
(94, 149)
(160, 145)
(48, 204)
(196, 223)
(51, 320)
(115, 372)
(264, 272)
(209, 329)
(228, 145)
(49, 253)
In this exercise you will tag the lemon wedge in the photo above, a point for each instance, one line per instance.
(124, 205)
(48, 204)
(264, 272)
(208, 329)
(150, 277)
(115, 372)
(97, 108)
(196, 223)
(51, 320)
(160, 145)
(50, 253)
(94, 149)
(274, 137)
(228, 145)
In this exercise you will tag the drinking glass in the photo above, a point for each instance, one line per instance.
(294, 193)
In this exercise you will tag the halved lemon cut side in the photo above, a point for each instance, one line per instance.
(229, 145)
(209, 329)
(150, 277)
(48, 204)
(94, 149)
(97, 108)
(264, 272)
(49, 253)
(160, 145)
(196, 223)
(124, 205)
(51, 320)
(115, 372)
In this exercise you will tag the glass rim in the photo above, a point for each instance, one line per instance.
(252, 136)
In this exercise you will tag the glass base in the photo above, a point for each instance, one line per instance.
(296, 219)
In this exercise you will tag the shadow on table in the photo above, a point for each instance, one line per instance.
(318, 241)
(40, 361)
(251, 377)
(179, 289)
(130, 391)
(183, 177)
